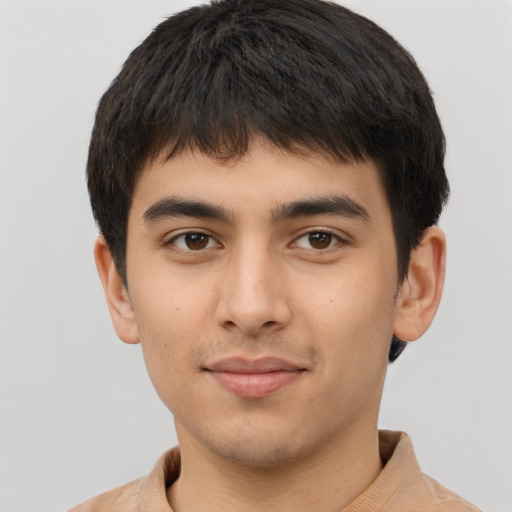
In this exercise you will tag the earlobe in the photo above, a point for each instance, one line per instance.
(118, 299)
(421, 291)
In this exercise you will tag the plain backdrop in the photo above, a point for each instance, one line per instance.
(78, 414)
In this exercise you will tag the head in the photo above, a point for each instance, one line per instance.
(301, 74)
(304, 77)
(231, 133)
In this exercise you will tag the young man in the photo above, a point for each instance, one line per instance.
(267, 177)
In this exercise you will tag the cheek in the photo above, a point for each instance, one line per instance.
(170, 317)
(170, 302)
(361, 296)
(351, 315)
(355, 335)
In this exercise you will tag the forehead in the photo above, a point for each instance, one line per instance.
(263, 179)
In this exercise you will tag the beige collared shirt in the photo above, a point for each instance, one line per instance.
(400, 487)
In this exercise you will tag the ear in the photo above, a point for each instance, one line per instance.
(420, 293)
(118, 299)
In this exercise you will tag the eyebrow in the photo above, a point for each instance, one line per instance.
(175, 207)
(331, 205)
(171, 207)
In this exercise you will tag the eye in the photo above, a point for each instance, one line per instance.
(193, 241)
(317, 240)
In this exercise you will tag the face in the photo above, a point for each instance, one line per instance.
(263, 292)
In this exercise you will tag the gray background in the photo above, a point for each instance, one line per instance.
(78, 414)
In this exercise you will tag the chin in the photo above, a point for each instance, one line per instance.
(260, 447)
(258, 454)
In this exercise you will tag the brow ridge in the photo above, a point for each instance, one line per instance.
(331, 205)
(170, 207)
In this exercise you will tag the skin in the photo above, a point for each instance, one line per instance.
(318, 290)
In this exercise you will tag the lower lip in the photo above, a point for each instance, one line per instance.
(255, 385)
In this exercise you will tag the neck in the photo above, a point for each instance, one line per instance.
(328, 479)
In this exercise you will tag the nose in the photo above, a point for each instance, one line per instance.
(253, 295)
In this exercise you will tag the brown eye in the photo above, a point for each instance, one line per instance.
(194, 241)
(320, 240)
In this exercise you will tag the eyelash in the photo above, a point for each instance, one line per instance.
(173, 241)
(332, 240)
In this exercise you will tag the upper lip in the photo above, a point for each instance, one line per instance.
(261, 365)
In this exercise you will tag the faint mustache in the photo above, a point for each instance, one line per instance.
(241, 345)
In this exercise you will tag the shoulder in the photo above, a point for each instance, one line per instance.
(403, 487)
(124, 498)
(447, 500)
(145, 494)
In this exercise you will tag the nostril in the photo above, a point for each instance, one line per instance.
(256, 313)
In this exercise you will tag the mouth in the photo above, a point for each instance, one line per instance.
(254, 378)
